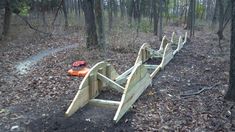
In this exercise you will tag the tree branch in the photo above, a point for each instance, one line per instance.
(60, 5)
(201, 90)
(31, 27)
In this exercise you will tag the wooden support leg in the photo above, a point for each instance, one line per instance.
(93, 88)
(100, 83)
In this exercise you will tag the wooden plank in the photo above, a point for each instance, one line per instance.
(167, 55)
(151, 66)
(100, 83)
(81, 99)
(108, 70)
(141, 57)
(110, 82)
(173, 37)
(154, 54)
(163, 44)
(185, 37)
(123, 76)
(93, 87)
(133, 90)
(180, 45)
(155, 72)
(104, 103)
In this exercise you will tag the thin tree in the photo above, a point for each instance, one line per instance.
(160, 19)
(221, 19)
(191, 17)
(122, 8)
(230, 95)
(65, 13)
(7, 18)
(88, 8)
(214, 19)
(155, 17)
(99, 21)
(110, 13)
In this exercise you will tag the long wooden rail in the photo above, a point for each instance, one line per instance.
(131, 83)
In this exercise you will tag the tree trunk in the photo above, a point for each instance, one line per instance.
(174, 8)
(230, 95)
(87, 6)
(65, 14)
(160, 19)
(99, 21)
(43, 7)
(214, 19)
(7, 19)
(110, 14)
(191, 17)
(122, 8)
(155, 18)
(131, 4)
(221, 19)
(79, 8)
(167, 16)
(208, 10)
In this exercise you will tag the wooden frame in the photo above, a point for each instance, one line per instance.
(136, 79)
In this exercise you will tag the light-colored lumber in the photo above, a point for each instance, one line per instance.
(179, 46)
(155, 72)
(167, 55)
(185, 37)
(93, 87)
(110, 82)
(163, 44)
(151, 66)
(139, 80)
(88, 88)
(141, 57)
(154, 54)
(122, 78)
(104, 103)
(173, 38)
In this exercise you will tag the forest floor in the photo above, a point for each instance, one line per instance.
(36, 100)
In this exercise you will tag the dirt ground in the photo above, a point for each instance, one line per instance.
(36, 101)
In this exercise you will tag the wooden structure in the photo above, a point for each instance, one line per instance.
(131, 83)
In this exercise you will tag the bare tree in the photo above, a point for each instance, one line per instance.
(230, 95)
(88, 8)
(110, 13)
(7, 18)
(155, 17)
(221, 19)
(160, 18)
(65, 13)
(191, 17)
(99, 21)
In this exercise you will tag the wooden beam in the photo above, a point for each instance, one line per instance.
(154, 53)
(104, 103)
(179, 47)
(167, 55)
(122, 78)
(185, 37)
(142, 57)
(172, 38)
(163, 44)
(139, 80)
(151, 66)
(110, 82)
(155, 72)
